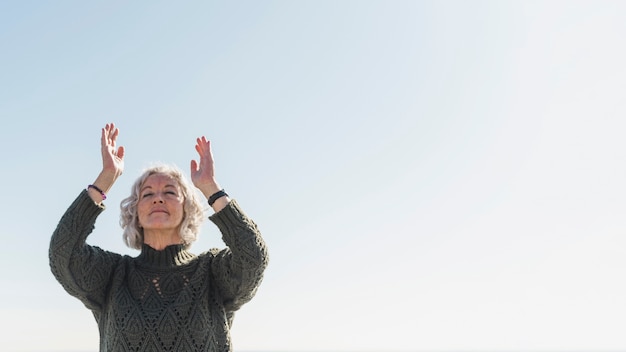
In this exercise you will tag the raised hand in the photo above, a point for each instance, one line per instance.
(203, 171)
(112, 157)
(112, 163)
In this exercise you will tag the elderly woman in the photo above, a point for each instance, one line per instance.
(166, 298)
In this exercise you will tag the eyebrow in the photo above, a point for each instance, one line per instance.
(166, 186)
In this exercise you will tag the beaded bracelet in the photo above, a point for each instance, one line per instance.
(216, 195)
(104, 196)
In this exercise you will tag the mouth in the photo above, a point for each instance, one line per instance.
(156, 211)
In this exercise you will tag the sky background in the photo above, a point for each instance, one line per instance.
(428, 175)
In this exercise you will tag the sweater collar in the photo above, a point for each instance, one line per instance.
(173, 255)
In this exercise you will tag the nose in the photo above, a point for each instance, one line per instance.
(158, 198)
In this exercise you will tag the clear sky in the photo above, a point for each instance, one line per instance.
(443, 175)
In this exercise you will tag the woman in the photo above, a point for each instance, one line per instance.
(166, 298)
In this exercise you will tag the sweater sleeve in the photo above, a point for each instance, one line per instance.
(84, 271)
(238, 269)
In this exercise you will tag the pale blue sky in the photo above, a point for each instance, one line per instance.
(443, 175)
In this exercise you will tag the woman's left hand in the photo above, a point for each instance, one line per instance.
(203, 172)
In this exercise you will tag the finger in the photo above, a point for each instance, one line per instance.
(106, 131)
(206, 146)
(208, 150)
(202, 143)
(120, 152)
(194, 166)
(113, 136)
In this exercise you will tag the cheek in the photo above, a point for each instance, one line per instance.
(180, 213)
(141, 212)
(141, 209)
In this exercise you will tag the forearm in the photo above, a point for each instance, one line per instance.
(239, 269)
(82, 270)
(104, 182)
(242, 237)
(68, 239)
(210, 188)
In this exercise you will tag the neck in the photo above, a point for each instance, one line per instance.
(160, 239)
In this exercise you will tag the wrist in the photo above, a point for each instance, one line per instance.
(96, 193)
(217, 195)
(209, 189)
(105, 180)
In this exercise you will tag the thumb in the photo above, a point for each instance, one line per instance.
(120, 152)
(194, 166)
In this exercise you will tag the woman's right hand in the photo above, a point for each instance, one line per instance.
(112, 158)
(112, 163)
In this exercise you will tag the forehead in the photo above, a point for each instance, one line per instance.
(159, 180)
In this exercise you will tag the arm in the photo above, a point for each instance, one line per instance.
(81, 269)
(238, 269)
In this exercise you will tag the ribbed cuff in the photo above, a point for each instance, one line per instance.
(87, 206)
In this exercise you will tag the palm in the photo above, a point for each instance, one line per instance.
(112, 156)
(202, 172)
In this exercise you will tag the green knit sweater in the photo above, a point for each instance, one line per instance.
(169, 300)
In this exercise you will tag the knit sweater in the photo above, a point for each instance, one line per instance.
(169, 300)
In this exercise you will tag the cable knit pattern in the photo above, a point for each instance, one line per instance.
(169, 300)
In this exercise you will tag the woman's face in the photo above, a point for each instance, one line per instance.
(160, 205)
